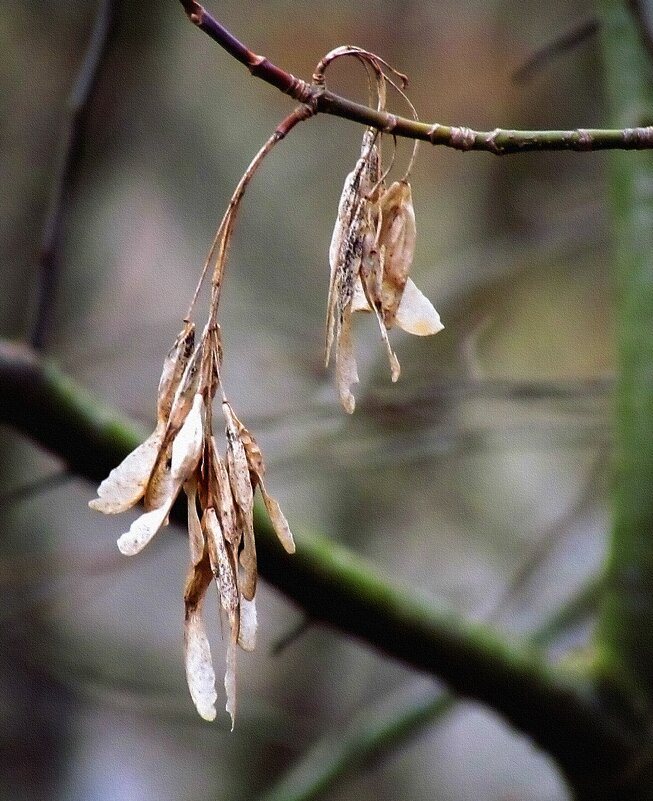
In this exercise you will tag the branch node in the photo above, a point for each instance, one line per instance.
(462, 138)
(432, 132)
(637, 138)
(491, 142)
(390, 123)
(584, 140)
(304, 92)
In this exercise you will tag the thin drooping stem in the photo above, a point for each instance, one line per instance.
(498, 141)
(79, 103)
(225, 229)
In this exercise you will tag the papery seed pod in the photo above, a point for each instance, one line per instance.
(241, 487)
(257, 470)
(248, 625)
(186, 451)
(397, 238)
(224, 570)
(223, 498)
(222, 564)
(416, 314)
(195, 534)
(200, 675)
(346, 369)
(230, 677)
(346, 241)
(144, 528)
(161, 479)
(127, 483)
(359, 194)
(197, 652)
(186, 391)
(187, 445)
(173, 369)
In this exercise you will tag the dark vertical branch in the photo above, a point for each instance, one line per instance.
(639, 10)
(79, 103)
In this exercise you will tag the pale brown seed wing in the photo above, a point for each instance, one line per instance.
(173, 369)
(226, 509)
(346, 371)
(248, 625)
(200, 675)
(195, 533)
(278, 520)
(397, 237)
(346, 205)
(144, 528)
(221, 563)
(185, 392)
(160, 485)
(416, 313)
(230, 676)
(241, 487)
(187, 445)
(125, 485)
(197, 652)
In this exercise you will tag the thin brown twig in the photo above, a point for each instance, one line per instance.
(79, 102)
(499, 141)
(562, 44)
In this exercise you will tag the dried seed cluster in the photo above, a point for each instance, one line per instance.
(370, 257)
(182, 453)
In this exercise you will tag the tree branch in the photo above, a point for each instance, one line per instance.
(69, 155)
(498, 142)
(335, 586)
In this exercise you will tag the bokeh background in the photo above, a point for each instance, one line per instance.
(479, 478)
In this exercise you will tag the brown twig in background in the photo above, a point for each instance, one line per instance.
(69, 157)
(562, 44)
(498, 142)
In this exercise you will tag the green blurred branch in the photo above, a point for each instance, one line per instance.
(335, 586)
(626, 635)
(385, 726)
(499, 142)
(372, 733)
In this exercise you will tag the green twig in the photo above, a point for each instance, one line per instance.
(626, 633)
(383, 727)
(337, 587)
(369, 735)
(498, 142)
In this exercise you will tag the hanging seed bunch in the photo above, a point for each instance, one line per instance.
(372, 248)
(370, 256)
(218, 475)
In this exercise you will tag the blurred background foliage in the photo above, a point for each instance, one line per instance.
(480, 477)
